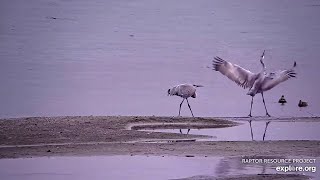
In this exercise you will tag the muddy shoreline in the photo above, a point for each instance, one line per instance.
(112, 135)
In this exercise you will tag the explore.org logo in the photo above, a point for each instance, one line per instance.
(291, 168)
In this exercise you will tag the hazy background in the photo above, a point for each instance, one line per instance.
(65, 57)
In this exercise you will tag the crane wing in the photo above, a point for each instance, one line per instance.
(275, 78)
(239, 75)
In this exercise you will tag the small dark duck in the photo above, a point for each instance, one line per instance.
(302, 104)
(282, 100)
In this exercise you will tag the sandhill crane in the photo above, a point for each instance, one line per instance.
(256, 82)
(185, 91)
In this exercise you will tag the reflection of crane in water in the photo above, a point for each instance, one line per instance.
(185, 91)
(265, 130)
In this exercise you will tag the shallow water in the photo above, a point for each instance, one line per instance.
(129, 167)
(276, 130)
(65, 57)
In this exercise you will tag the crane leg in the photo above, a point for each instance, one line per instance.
(179, 112)
(251, 108)
(190, 108)
(191, 113)
(265, 105)
(180, 106)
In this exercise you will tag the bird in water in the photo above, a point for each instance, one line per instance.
(256, 82)
(184, 91)
(282, 100)
(302, 104)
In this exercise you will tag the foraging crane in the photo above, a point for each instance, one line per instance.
(185, 91)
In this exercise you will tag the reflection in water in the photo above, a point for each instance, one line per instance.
(250, 121)
(180, 130)
(265, 130)
(260, 130)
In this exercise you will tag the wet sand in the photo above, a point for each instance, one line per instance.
(112, 135)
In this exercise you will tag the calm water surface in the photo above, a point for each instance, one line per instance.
(64, 57)
(133, 167)
(276, 130)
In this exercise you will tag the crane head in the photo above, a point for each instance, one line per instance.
(261, 60)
